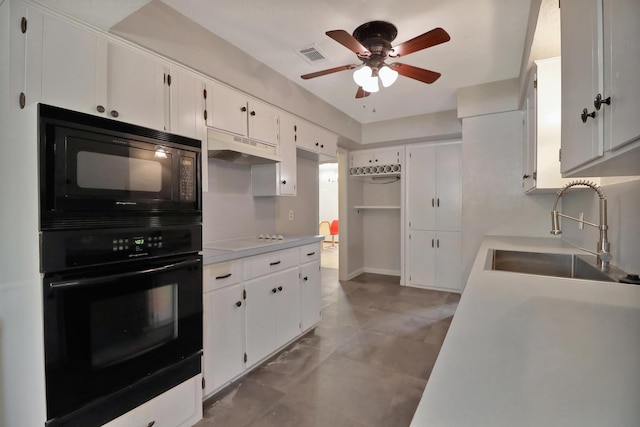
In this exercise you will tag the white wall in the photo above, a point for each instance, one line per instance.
(623, 205)
(493, 200)
(304, 205)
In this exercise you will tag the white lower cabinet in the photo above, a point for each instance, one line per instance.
(223, 340)
(310, 295)
(272, 313)
(180, 406)
(434, 259)
(254, 306)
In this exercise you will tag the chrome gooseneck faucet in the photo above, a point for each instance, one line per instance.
(604, 256)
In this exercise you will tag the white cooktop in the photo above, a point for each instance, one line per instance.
(249, 242)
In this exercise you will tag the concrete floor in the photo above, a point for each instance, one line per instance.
(366, 364)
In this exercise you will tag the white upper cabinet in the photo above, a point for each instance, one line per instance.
(235, 112)
(542, 128)
(135, 87)
(69, 66)
(315, 140)
(185, 117)
(378, 157)
(600, 94)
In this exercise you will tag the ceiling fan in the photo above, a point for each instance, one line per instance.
(371, 42)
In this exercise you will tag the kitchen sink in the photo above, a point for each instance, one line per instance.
(549, 264)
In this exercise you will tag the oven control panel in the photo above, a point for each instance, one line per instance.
(79, 248)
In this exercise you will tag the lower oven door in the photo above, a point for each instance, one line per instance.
(120, 335)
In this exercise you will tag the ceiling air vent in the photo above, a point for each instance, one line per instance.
(312, 54)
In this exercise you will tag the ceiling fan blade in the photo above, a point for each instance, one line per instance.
(348, 41)
(329, 71)
(361, 93)
(428, 39)
(426, 76)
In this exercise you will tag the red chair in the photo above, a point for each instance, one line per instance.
(333, 229)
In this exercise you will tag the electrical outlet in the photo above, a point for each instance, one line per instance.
(291, 215)
(581, 223)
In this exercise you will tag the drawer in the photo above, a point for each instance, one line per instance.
(218, 276)
(309, 253)
(271, 262)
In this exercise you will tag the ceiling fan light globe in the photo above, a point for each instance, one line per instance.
(371, 85)
(387, 75)
(362, 75)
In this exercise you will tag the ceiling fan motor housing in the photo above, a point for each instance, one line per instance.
(376, 36)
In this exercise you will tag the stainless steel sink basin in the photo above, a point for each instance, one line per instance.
(549, 264)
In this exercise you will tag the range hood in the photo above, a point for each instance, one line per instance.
(239, 149)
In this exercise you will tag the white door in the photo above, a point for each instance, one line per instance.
(287, 167)
(224, 317)
(310, 295)
(622, 68)
(448, 188)
(227, 110)
(421, 258)
(69, 67)
(581, 81)
(421, 187)
(287, 306)
(263, 122)
(447, 262)
(135, 88)
(260, 317)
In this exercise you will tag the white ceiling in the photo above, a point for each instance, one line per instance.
(487, 42)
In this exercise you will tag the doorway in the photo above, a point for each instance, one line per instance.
(328, 214)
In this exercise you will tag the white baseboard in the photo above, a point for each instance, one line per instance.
(382, 271)
(354, 274)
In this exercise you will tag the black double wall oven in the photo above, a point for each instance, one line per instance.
(121, 231)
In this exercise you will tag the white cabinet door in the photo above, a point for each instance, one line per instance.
(386, 157)
(184, 101)
(361, 159)
(621, 69)
(287, 305)
(260, 316)
(263, 122)
(135, 87)
(327, 144)
(69, 61)
(421, 267)
(223, 341)
(306, 135)
(310, 295)
(529, 135)
(448, 205)
(434, 259)
(421, 188)
(581, 81)
(227, 110)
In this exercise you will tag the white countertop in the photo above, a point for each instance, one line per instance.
(526, 350)
(227, 250)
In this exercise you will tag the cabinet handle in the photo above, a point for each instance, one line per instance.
(438, 243)
(114, 113)
(253, 113)
(280, 288)
(433, 203)
(100, 109)
(525, 176)
(239, 304)
(585, 115)
(321, 145)
(223, 277)
(317, 144)
(598, 101)
(274, 263)
(305, 278)
(274, 290)
(284, 181)
(438, 202)
(432, 243)
(151, 424)
(311, 253)
(243, 109)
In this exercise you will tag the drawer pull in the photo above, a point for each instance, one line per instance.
(311, 253)
(151, 424)
(225, 276)
(280, 288)
(274, 290)
(275, 263)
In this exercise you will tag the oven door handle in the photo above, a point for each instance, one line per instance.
(102, 279)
